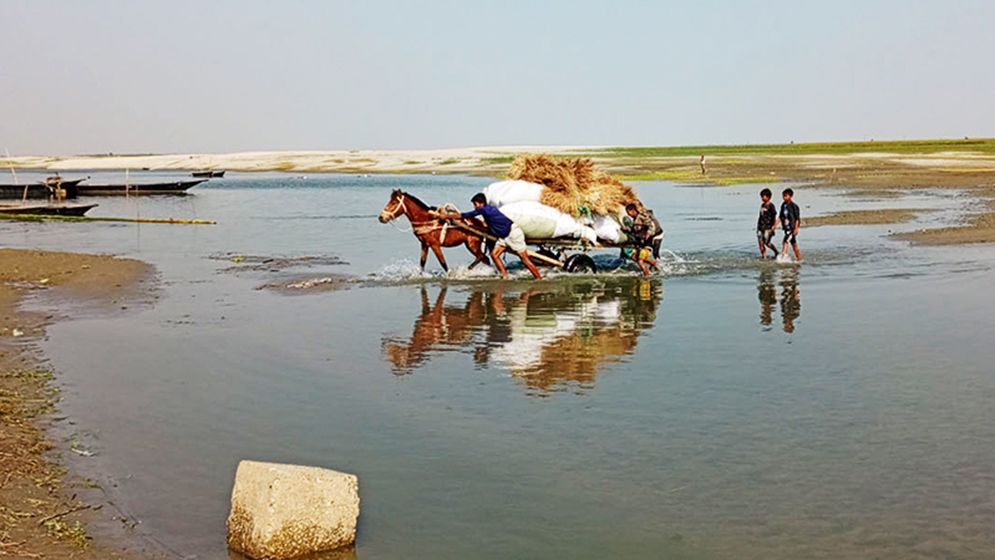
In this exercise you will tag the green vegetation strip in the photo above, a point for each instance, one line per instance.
(695, 176)
(56, 218)
(975, 145)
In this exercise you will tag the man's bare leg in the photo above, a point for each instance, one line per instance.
(524, 255)
(498, 261)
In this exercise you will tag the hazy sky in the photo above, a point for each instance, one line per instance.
(87, 77)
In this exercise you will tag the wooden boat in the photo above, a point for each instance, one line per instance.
(171, 187)
(209, 174)
(46, 209)
(39, 189)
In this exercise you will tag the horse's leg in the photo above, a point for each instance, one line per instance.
(424, 255)
(437, 249)
(425, 306)
(473, 244)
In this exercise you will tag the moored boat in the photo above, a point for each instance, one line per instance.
(209, 174)
(170, 187)
(46, 209)
(39, 189)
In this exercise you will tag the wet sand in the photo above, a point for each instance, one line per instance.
(978, 229)
(40, 515)
(865, 217)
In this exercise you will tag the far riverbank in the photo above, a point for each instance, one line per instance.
(873, 169)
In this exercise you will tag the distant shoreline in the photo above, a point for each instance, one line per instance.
(671, 162)
(876, 168)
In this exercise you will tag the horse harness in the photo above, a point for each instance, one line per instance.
(422, 228)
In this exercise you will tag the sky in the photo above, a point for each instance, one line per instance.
(222, 76)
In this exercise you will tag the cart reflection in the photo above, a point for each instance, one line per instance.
(550, 337)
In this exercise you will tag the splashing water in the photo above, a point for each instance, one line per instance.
(401, 270)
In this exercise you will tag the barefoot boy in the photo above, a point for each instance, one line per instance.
(791, 221)
(766, 224)
(648, 234)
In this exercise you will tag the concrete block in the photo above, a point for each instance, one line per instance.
(283, 511)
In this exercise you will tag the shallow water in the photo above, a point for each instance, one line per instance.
(728, 408)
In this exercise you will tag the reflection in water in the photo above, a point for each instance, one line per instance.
(549, 335)
(767, 293)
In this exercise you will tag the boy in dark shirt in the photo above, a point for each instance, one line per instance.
(791, 221)
(646, 230)
(766, 224)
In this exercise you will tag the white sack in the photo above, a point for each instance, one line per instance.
(608, 229)
(536, 220)
(541, 221)
(511, 191)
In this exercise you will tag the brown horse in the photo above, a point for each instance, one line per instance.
(431, 231)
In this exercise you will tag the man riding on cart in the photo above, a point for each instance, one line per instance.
(646, 232)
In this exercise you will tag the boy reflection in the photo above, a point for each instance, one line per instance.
(786, 287)
(791, 305)
(768, 298)
(547, 337)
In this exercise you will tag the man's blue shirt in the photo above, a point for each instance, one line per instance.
(498, 224)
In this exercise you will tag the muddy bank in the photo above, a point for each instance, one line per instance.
(977, 229)
(40, 514)
(865, 217)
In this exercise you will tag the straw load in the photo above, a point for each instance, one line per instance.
(567, 191)
(573, 186)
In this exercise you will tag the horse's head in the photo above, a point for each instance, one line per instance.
(394, 207)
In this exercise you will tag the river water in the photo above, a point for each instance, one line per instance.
(726, 408)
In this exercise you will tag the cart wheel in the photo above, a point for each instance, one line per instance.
(580, 262)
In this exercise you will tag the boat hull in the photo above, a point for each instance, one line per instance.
(16, 192)
(46, 209)
(172, 187)
(38, 190)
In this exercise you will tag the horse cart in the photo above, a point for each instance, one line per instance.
(433, 233)
(568, 254)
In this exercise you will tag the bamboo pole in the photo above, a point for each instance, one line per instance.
(58, 218)
(532, 254)
(10, 162)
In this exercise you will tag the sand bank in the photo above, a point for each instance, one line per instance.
(865, 217)
(976, 229)
(40, 515)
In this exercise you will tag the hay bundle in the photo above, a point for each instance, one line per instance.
(573, 184)
(557, 176)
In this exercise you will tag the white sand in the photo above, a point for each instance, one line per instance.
(371, 161)
(480, 160)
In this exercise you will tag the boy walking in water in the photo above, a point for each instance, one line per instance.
(509, 235)
(766, 223)
(791, 221)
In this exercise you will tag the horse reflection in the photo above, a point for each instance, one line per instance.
(437, 325)
(789, 297)
(550, 337)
